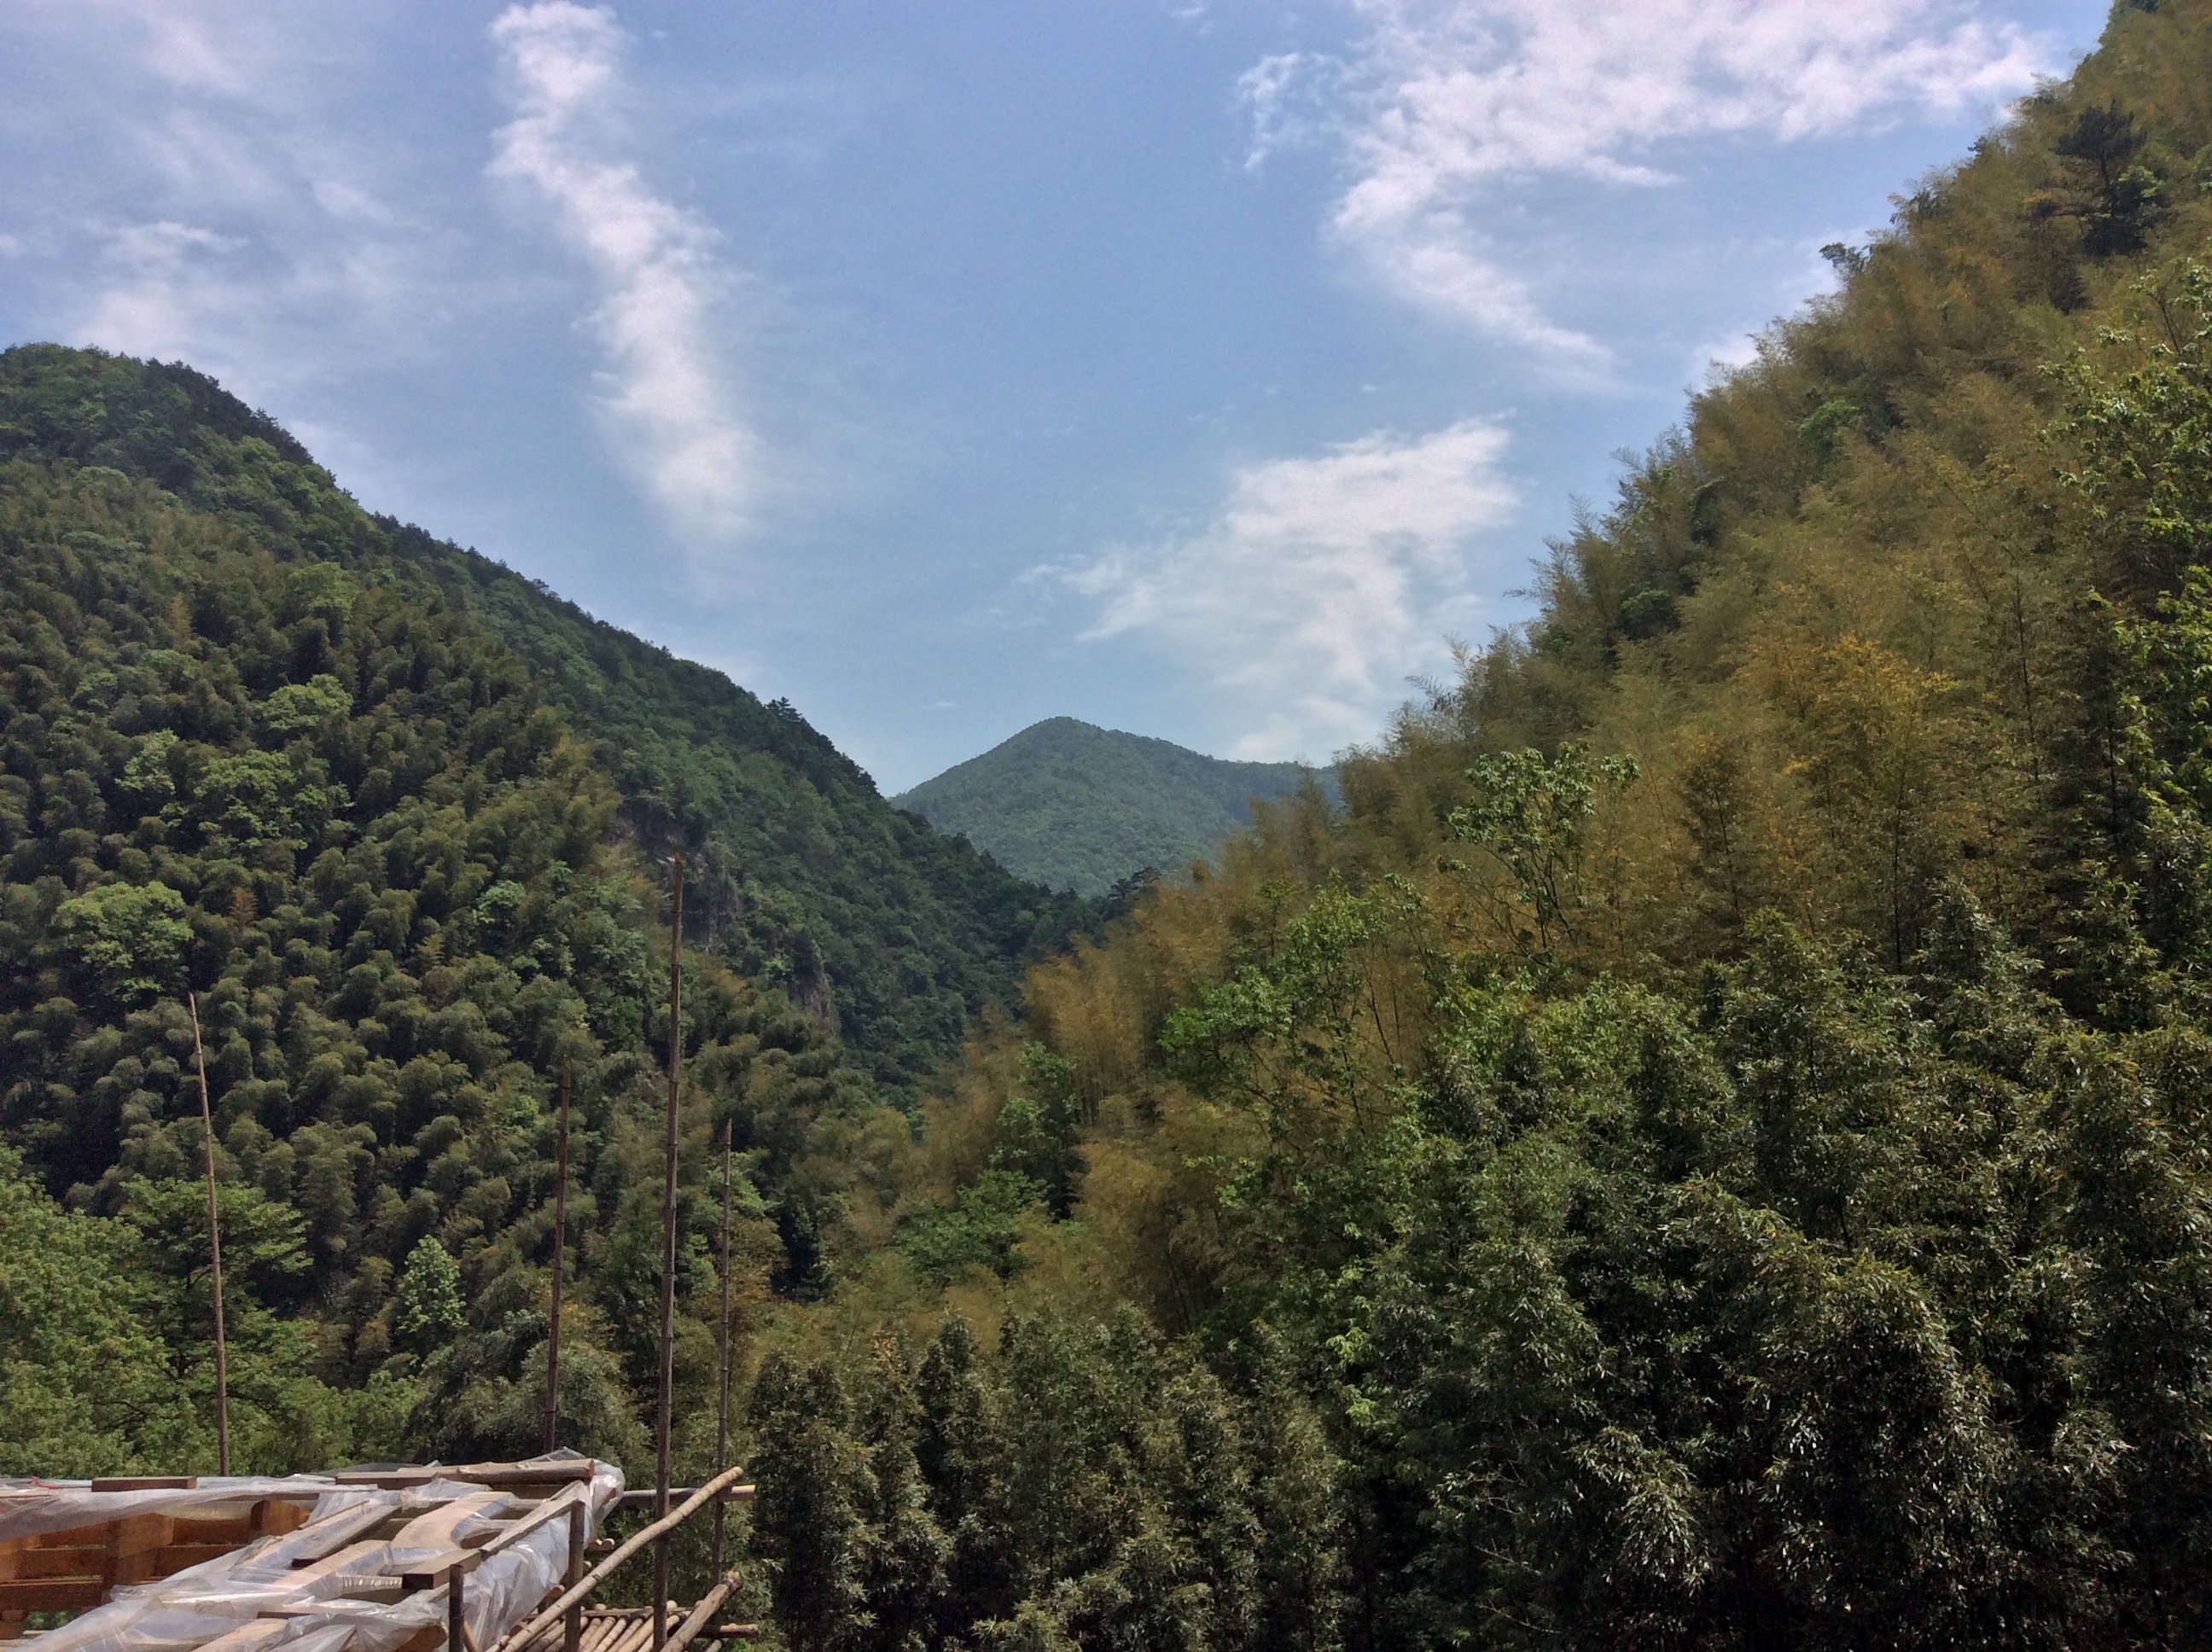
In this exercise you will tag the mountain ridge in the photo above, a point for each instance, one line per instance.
(793, 850)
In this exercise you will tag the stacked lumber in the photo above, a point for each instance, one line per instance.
(73, 1568)
(393, 1559)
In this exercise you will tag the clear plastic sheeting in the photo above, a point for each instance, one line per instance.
(325, 1586)
(34, 1508)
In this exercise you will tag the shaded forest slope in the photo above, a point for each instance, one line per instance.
(799, 874)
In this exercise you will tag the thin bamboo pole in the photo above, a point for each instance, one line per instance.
(722, 1359)
(572, 1621)
(560, 1261)
(666, 1415)
(214, 1250)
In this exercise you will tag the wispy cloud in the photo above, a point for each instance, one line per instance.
(1444, 106)
(662, 287)
(1321, 584)
(232, 224)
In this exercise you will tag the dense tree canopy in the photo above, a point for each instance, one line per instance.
(1710, 1145)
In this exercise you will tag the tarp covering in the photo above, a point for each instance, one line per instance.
(293, 1608)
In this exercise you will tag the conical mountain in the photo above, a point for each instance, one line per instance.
(1080, 807)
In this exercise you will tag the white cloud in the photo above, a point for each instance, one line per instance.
(1321, 584)
(1445, 105)
(661, 286)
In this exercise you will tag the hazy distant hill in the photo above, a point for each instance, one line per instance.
(1080, 807)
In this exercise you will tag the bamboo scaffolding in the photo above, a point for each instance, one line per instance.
(709, 1607)
(656, 1533)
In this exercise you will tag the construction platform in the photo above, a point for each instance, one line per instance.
(479, 1558)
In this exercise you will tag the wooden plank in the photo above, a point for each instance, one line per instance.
(337, 1561)
(44, 1594)
(553, 1508)
(524, 1473)
(147, 1483)
(434, 1530)
(88, 1561)
(327, 1536)
(234, 1529)
(365, 1586)
(431, 1637)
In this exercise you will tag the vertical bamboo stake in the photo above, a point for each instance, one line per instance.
(572, 1621)
(560, 1260)
(722, 1373)
(668, 1262)
(215, 1251)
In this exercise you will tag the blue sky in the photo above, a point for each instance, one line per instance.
(1198, 369)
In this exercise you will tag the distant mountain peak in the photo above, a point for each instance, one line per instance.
(1076, 807)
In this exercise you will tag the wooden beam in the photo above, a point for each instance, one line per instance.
(88, 1561)
(330, 1564)
(429, 1574)
(52, 1595)
(553, 1508)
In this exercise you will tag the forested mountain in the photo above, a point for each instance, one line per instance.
(1073, 806)
(1710, 1145)
(891, 935)
(400, 820)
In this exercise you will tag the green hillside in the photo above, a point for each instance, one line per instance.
(400, 819)
(1077, 807)
(1710, 1145)
(889, 933)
